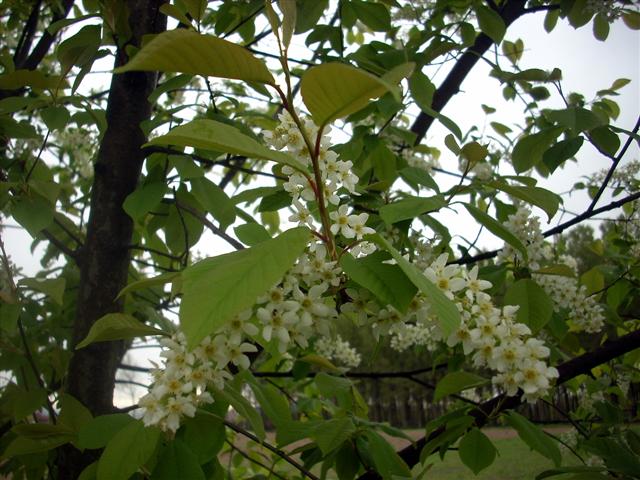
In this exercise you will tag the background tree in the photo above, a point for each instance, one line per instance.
(120, 185)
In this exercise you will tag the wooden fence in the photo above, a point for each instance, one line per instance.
(412, 406)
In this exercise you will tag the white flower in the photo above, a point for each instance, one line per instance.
(176, 408)
(358, 224)
(341, 222)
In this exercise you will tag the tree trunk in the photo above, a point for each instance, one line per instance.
(105, 258)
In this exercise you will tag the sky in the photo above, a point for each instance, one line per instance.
(587, 65)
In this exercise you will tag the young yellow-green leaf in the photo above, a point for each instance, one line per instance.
(540, 197)
(127, 451)
(335, 90)
(220, 137)
(476, 451)
(73, 414)
(535, 305)
(456, 382)
(445, 310)
(117, 326)
(186, 51)
(497, 228)
(410, 207)
(218, 288)
(52, 287)
(534, 437)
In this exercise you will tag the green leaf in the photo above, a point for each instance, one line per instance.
(271, 400)
(33, 212)
(446, 121)
(497, 228)
(220, 137)
(214, 200)
(289, 15)
(144, 199)
(234, 398)
(27, 78)
(388, 463)
(535, 305)
(149, 282)
(330, 434)
(605, 140)
(99, 431)
(177, 460)
(55, 117)
(309, 14)
(534, 437)
(41, 431)
(335, 90)
(457, 382)
(561, 152)
(387, 282)
(127, 451)
(580, 469)
(251, 233)
(409, 208)
(52, 287)
(576, 118)
(491, 23)
(218, 288)
(25, 446)
(73, 413)
(186, 51)
(476, 451)
(540, 197)
(204, 435)
(117, 326)
(600, 27)
(417, 176)
(593, 280)
(445, 310)
(529, 150)
(631, 19)
(347, 462)
(422, 89)
(373, 15)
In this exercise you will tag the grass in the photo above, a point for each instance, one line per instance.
(515, 461)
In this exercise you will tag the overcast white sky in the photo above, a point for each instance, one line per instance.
(587, 65)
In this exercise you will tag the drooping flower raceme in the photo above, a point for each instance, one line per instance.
(584, 313)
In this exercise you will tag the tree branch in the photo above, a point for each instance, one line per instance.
(568, 370)
(613, 167)
(510, 12)
(555, 230)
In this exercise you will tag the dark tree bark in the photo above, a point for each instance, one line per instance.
(104, 262)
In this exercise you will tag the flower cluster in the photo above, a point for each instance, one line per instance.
(490, 335)
(334, 174)
(181, 385)
(585, 314)
(339, 350)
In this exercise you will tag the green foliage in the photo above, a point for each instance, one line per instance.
(117, 326)
(226, 157)
(217, 289)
